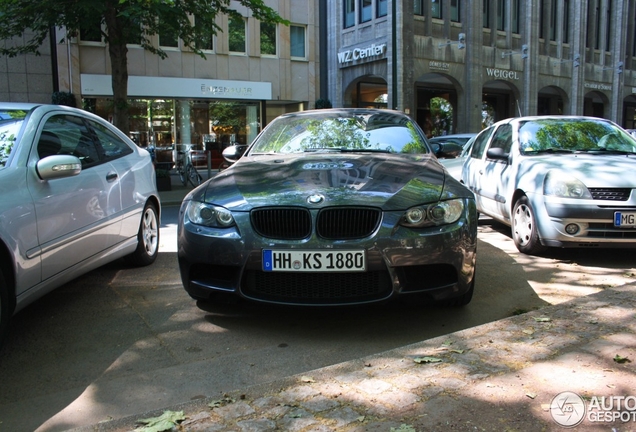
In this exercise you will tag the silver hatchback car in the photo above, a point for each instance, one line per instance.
(75, 193)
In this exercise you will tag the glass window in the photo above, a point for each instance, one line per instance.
(169, 38)
(349, 13)
(479, 145)
(72, 137)
(365, 10)
(486, 14)
(236, 31)
(503, 138)
(566, 21)
(455, 11)
(381, 6)
(268, 39)
(501, 15)
(436, 8)
(91, 32)
(11, 122)
(206, 41)
(134, 35)
(515, 16)
(112, 145)
(298, 42)
(418, 7)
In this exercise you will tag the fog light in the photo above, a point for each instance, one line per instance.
(572, 229)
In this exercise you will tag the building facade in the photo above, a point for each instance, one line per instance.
(485, 60)
(28, 77)
(252, 73)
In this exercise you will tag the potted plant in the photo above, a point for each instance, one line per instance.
(163, 180)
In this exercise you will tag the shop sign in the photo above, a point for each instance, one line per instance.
(162, 87)
(597, 86)
(438, 65)
(372, 52)
(502, 74)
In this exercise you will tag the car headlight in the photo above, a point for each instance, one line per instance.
(441, 213)
(564, 185)
(205, 214)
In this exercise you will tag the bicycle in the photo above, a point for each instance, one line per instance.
(187, 171)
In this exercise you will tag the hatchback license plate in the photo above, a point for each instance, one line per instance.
(625, 219)
(314, 260)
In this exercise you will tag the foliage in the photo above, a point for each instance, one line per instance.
(164, 422)
(227, 114)
(442, 116)
(64, 98)
(323, 104)
(120, 22)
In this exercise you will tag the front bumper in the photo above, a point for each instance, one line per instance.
(594, 219)
(436, 262)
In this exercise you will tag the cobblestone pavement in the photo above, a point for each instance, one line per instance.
(507, 375)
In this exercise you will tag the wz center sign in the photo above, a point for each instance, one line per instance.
(360, 55)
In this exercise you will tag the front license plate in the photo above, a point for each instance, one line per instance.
(625, 219)
(314, 260)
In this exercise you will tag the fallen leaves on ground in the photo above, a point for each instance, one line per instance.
(164, 422)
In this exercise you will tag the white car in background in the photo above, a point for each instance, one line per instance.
(557, 181)
(75, 194)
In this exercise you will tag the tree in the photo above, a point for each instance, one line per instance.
(121, 22)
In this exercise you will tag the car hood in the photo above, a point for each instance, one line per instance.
(594, 170)
(391, 182)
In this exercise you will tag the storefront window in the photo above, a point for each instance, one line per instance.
(170, 122)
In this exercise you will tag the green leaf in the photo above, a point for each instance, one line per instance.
(164, 422)
(620, 359)
(542, 319)
(427, 359)
(404, 428)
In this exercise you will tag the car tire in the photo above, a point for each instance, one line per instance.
(524, 228)
(465, 298)
(147, 238)
(5, 309)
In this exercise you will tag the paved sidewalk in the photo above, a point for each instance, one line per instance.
(501, 376)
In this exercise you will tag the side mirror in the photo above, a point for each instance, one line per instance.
(58, 166)
(447, 150)
(497, 153)
(234, 152)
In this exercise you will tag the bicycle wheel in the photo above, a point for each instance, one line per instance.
(193, 176)
(182, 175)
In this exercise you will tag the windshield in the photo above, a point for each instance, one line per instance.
(573, 135)
(10, 123)
(341, 132)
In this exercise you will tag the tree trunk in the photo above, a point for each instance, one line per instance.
(119, 68)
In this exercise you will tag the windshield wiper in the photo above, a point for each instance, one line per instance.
(611, 151)
(550, 150)
(364, 150)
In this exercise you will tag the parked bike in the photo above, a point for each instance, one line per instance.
(187, 171)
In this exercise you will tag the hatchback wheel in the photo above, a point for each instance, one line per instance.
(148, 238)
(524, 228)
